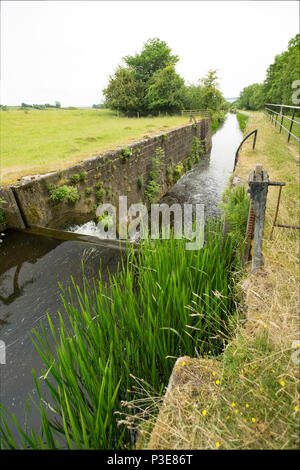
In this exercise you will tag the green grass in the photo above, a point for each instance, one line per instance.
(242, 119)
(164, 301)
(40, 141)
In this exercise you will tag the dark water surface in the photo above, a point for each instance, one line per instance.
(32, 266)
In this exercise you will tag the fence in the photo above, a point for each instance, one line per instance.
(192, 113)
(282, 115)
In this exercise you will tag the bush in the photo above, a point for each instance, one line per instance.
(68, 193)
(125, 154)
(99, 195)
(83, 176)
(152, 191)
(75, 179)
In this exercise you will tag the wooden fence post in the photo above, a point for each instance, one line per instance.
(258, 182)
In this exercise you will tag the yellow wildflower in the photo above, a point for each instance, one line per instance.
(247, 406)
(217, 382)
(253, 420)
(296, 408)
(183, 363)
(204, 412)
(233, 404)
(213, 373)
(282, 383)
(218, 444)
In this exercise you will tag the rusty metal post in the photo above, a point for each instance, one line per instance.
(276, 212)
(249, 233)
(258, 183)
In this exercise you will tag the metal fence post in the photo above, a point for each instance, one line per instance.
(258, 183)
(291, 126)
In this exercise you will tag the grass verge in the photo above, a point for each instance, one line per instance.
(242, 119)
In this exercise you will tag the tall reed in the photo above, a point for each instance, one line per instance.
(137, 324)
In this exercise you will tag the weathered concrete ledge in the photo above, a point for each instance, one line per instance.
(29, 203)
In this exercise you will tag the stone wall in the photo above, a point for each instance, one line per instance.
(110, 172)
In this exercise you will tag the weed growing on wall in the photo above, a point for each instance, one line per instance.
(63, 193)
(152, 188)
(140, 181)
(125, 154)
(3, 220)
(75, 179)
(83, 176)
(177, 172)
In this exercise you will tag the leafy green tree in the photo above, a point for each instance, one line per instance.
(155, 55)
(281, 74)
(277, 86)
(192, 97)
(124, 92)
(57, 104)
(252, 97)
(165, 92)
(212, 98)
(257, 99)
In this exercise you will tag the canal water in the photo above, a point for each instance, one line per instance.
(31, 268)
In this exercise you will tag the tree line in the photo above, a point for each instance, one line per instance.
(277, 86)
(149, 84)
(41, 106)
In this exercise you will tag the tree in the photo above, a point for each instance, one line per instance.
(155, 55)
(124, 92)
(212, 98)
(57, 104)
(128, 87)
(192, 97)
(277, 86)
(165, 92)
(252, 97)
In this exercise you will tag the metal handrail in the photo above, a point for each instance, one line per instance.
(239, 147)
(273, 116)
(282, 105)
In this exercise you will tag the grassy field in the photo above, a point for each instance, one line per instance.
(248, 397)
(39, 141)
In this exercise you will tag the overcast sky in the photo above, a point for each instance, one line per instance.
(66, 50)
